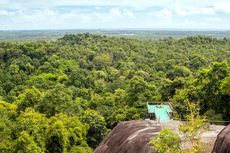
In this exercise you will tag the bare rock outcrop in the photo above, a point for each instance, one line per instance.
(129, 137)
(222, 144)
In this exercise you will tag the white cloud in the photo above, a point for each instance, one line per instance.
(51, 19)
(116, 12)
(2, 2)
(211, 7)
(9, 13)
(53, 3)
(165, 13)
(121, 13)
(4, 13)
(213, 19)
(129, 14)
(42, 14)
(223, 6)
(206, 11)
(181, 10)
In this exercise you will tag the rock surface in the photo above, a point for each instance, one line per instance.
(208, 137)
(134, 136)
(129, 137)
(222, 144)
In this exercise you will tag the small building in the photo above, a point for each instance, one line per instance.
(160, 111)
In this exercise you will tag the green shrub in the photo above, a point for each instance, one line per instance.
(167, 141)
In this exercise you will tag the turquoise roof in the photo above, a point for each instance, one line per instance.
(151, 108)
(161, 111)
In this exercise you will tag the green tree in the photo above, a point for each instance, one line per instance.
(97, 124)
(56, 100)
(7, 127)
(31, 97)
(65, 134)
(25, 144)
(34, 125)
(192, 128)
(102, 61)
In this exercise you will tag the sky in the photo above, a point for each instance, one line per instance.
(114, 14)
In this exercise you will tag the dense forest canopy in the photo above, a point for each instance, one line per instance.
(66, 95)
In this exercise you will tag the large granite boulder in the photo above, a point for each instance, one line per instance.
(129, 137)
(222, 144)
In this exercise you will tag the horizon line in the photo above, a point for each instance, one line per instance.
(120, 29)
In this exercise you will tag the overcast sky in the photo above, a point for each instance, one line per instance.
(116, 14)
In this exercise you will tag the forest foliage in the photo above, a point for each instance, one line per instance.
(66, 95)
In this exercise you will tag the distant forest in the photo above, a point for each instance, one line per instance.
(65, 95)
(34, 35)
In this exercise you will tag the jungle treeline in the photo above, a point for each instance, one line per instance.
(66, 95)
